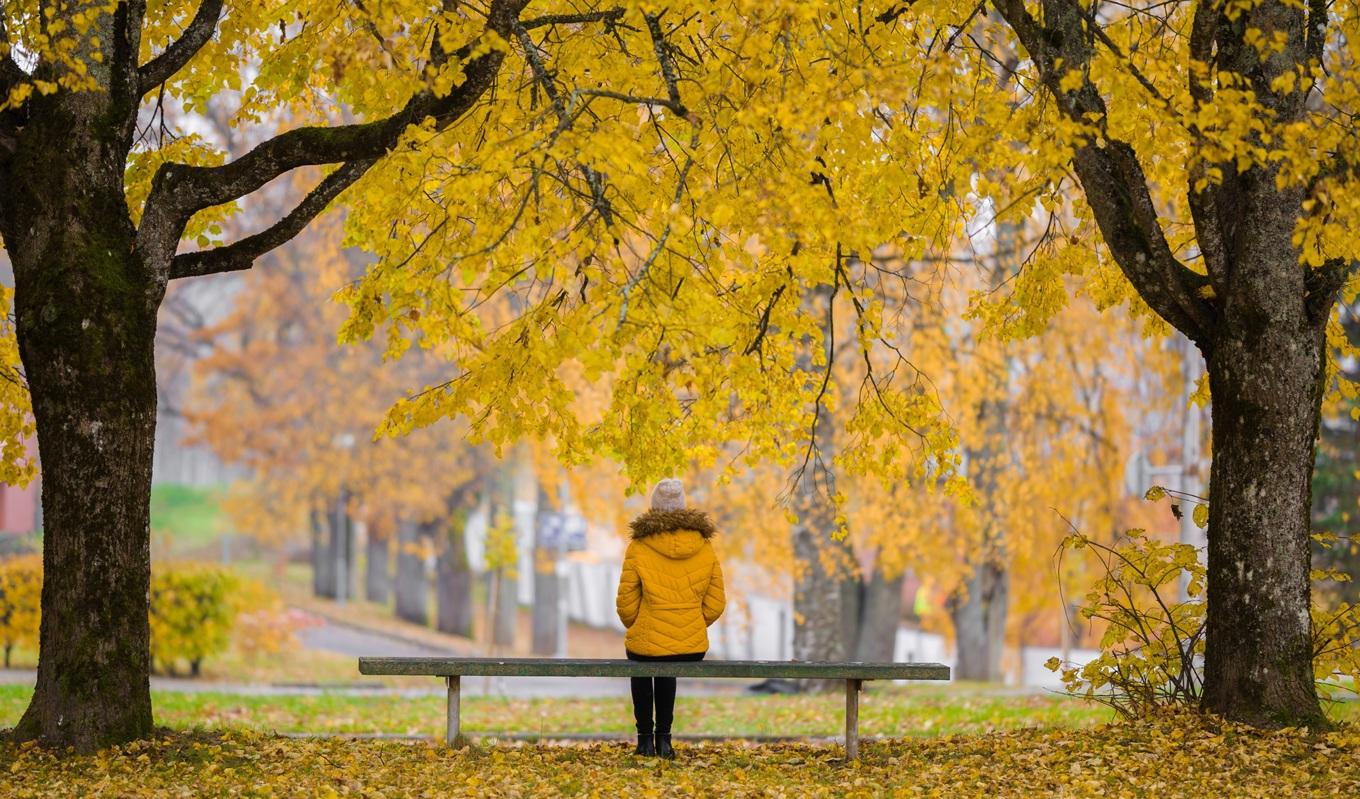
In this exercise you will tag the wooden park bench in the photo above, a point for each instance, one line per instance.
(454, 669)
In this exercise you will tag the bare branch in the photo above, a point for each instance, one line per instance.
(241, 254)
(663, 56)
(679, 110)
(164, 66)
(609, 16)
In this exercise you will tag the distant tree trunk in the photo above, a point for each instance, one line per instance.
(453, 584)
(879, 617)
(823, 565)
(547, 630)
(507, 609)
(547, 623)
(343, 547)
(851, 597)
(979, 616)
(819, 594)
(378, 569)
(412, 588)
(323, 557)
(504, 581)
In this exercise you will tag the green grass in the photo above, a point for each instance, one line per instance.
(190, 516)
(889, 711)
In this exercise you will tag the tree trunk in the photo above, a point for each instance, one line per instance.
(85, 308)
(825, 588)
(979, 616)
(323, 557)
(547, 630)
(822, 566)
(879, 617)
(507, 609)
(377, 570)
(412, 590)
(342, 548)
(852, 602)
(1266, 373)
(547, 623)
(453, 584)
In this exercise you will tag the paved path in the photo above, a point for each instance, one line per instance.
(354, 641)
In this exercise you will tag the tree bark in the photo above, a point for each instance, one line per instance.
(979, 616)
(412, 589)
(378, 570)
(1266, 372)
(85, 308)
(453, 586)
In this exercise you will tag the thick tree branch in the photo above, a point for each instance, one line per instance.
(164, 66)
(241, 254)
(1322, 285)
(1112, 177)
(126, 35)
(609, 16)
(663, 57)
(178, 191)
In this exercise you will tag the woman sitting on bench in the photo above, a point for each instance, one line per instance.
(670, 591)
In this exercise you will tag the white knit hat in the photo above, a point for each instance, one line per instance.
(669, 494)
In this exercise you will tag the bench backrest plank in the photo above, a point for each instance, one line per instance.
(551, 667)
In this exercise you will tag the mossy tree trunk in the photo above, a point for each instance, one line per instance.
(85, 312)
(1267, 366)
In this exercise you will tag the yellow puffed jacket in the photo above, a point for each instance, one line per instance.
(671, 588)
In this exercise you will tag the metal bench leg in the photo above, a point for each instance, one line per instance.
(452, 736)
(852, 719)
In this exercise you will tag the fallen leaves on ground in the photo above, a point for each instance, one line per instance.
(1185, 755)
(892, 711)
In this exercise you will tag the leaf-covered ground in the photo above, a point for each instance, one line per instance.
(883, 711)
(1170, 757)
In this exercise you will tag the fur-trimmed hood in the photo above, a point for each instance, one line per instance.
(662, 521)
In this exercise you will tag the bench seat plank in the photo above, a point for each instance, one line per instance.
(553, 667)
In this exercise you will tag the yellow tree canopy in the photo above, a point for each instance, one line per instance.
(652, 191)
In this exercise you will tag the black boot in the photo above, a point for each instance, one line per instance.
(663, 747)
(646, 746)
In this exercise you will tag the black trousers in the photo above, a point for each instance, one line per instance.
(658, 691)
